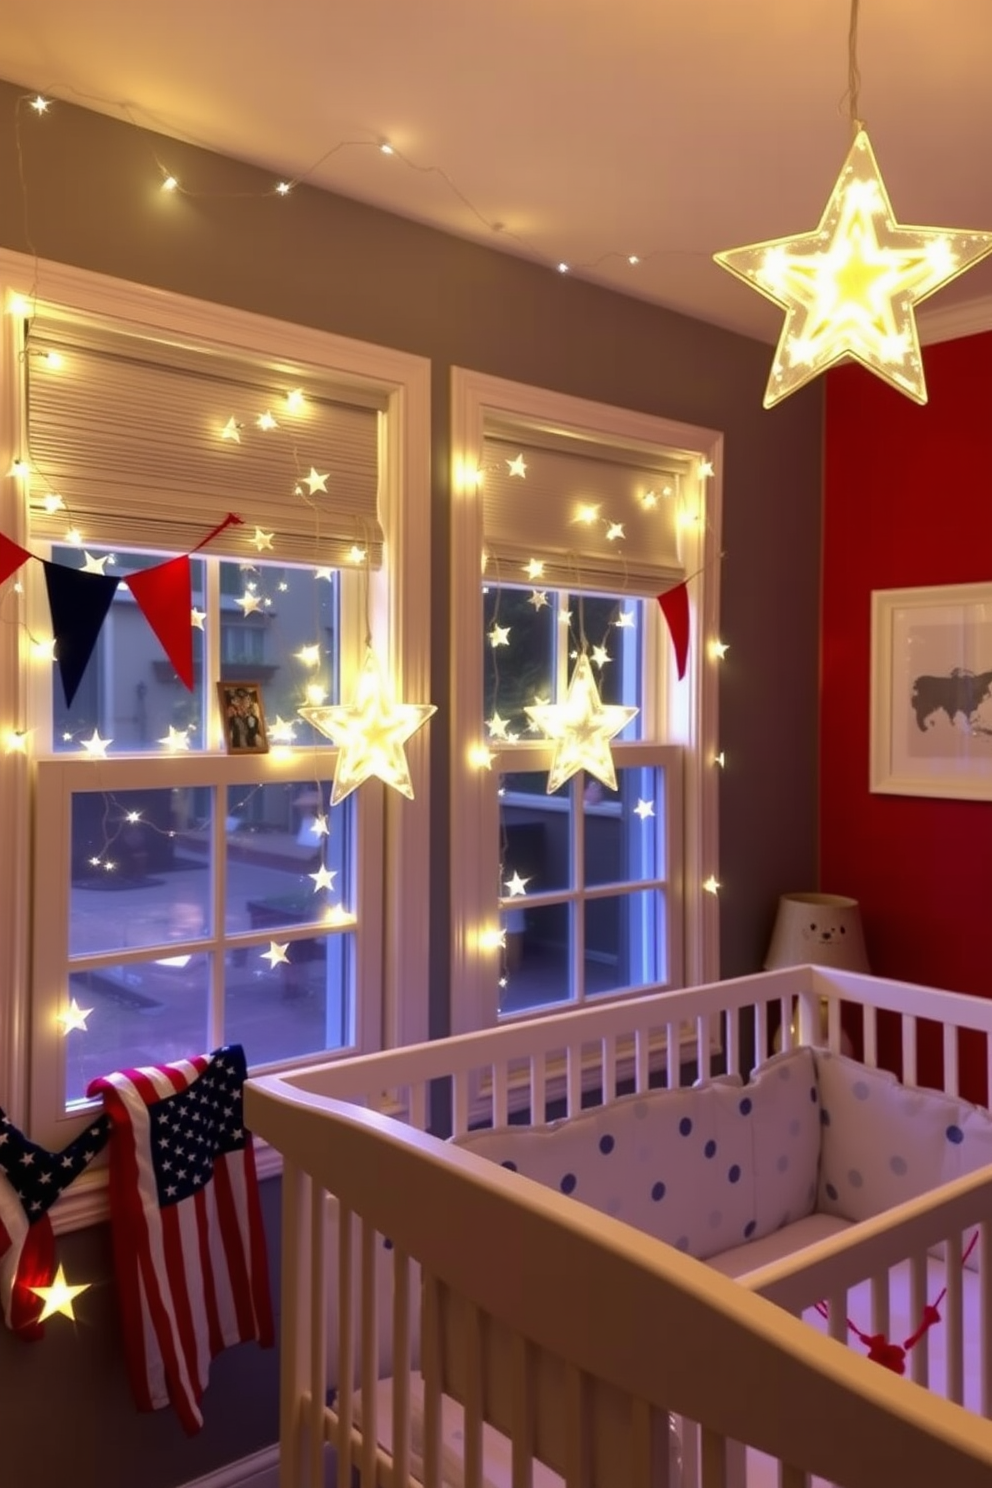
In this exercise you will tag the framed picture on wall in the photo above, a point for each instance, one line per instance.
(242, 715)
(931, 692)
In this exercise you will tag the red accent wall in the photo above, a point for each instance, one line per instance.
(907, 502)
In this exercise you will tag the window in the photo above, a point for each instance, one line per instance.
(183, 894)
(581, 516)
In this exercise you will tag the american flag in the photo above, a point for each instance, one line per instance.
(187, 1225)
(31, 1179)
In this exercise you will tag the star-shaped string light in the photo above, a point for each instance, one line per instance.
(600, 656)
(370, 733)
(614, 531)
(248, 602)
(324, 573)
(539, 599)
(516, 886)
(176, 740)
(196, 618)
(497, 727)
(644, 809)
(499, 636)
(849, 287)
(96, 747)
(231, 430)
(308, 655)
(534, 568)
(517, 467)
(319, 826)
(282, 730)
(315, 481)
(276, 954)
(94, 565)
(58, 1296)
(581, 728)
(262, 540)
(73, 1017)
(323, 878)
(625, 620)
(266, 421)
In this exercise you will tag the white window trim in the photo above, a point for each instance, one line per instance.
(400, 623)
(476, 397)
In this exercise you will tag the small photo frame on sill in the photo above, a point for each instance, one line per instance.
(242, 716)
(931, 692)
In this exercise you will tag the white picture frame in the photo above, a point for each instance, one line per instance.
(931, 692)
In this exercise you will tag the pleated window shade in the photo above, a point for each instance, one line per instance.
(128, 430)
(630, 545)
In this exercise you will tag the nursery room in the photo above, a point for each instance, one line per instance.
(495, 744)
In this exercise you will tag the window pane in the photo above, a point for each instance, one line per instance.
(142, 1012)
(280, 1009)
(140, 862)
(624, 837)
(625, 941)
(275, 852)
(535, 833)
(537, 960)
(129, 692)
(279, 627)
(520, 670)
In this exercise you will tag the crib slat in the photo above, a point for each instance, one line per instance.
(953, 1314)
(577, 1424)
(295, 1190)
(418, 1106)
(501, 1081)
(370, 1362)
(648, 1447)
(673, 1056)
(346, 1345)
(712, 1460)
(732, 1040)
(984, 1303)
(430, 1347)
(833, 1024)
(787, 1011)
(460, 1111)
(401, 1366)
(837, 1316)
(919, 1355)
(760, 1032)
(703, 1046)
(950, 1059)
(538, 1090)
(474, 1403)
(870, 1027)
(792, 1477)
(573, 1079)
(524, 1418)
(608, 1071)
(879, 1285)
(642, 1050)
(317, 1306)
(908, 1048)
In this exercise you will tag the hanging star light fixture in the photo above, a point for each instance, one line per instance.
(581, 728)
(850, 287)
(370, 733)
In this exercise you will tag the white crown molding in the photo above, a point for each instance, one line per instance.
(260, 1470)
(969, 318)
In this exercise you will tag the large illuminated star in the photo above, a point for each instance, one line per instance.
(370, 733)
(849, 287)
(581, 728)
(58, 1297)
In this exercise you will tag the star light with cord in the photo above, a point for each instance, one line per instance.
(370, 733)
(74, 1017)
(581, 728)
(849, 287)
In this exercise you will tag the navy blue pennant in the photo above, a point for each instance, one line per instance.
(78, 603)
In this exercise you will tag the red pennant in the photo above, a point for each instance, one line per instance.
(675, 608)
(11, 557)
(165, 594)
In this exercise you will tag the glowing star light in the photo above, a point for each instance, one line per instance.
(276, 954)
(323, 878)
(539, 599)
(370, 733)
(644, 809)
(196, 618)
(231, 430)
(266, 421)
(262, 539)
(248, 602)
(73, 1017)
(93, 565)
(581, 728)
(517, 467)
(58, 1297)
(499, 636)
(534, 568)
(176, 740)
(96, 747)
(315, 481)
(849, 287)
(516, 886)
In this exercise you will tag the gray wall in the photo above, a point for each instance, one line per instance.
(92, 199)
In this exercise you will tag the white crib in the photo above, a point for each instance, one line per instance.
(446, 1321)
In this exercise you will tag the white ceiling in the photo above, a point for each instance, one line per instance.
(590, 129)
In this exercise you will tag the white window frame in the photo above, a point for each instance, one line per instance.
(400, 625)
(685, 714)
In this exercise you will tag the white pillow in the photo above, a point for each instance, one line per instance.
(687, 1166)
(884, 1142)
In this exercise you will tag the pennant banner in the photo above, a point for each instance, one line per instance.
(165, 594)
(79, 603)
(11, 557)
(675, 608)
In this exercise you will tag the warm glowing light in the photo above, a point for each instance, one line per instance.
(563, 268)
(176, 740)
(539, 599)
(276, 954)
(296, 400)
(170, 184)
(53, 502)
(516, 887)
(644, 809)
(534, 568)
(316, 694)
(248, 602)
(262, 540)
(497, 727)
(633, 259)
(600, 656)
(720, 759)
(58, 1297)
(357, 554)
(231, 430)
(282, 731)
(587, 515)
(480, 757)
(54, 360)
(649, 500)
(385, 148)
(15, 741)
(625, 620)
(518, 467)
(711, 885)
(19, 304)
(324, 573)
(196, 618)
(850, 286)
(492, 940)
(43, 650)
(308, 655)
(614, 531)
(94, 746)
(73, 1017)
(718, 650)
(499, 636)
(370, 733)
(581, 728)
(41, 105)
(74, 537)
(94, 565)
(704, 469)
(283, 188)
(266, 421)
(20, 467)
(323, 878)
(337, 915)
(316, 481)
(132, 817)
(319, 826)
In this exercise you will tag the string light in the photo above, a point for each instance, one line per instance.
(480, 757)
(266, 421)
(614, 531)
(718, 650)
(499, 636)
(316, 481)
(53, 502)
(41, 105)
(296, 400)
(517, 467)
(516, 886)
(231, 430)
(96, 747)
(94, 565)
(581, 728)
(308, 655)
(58, 1296)
(176, 740)
(283, 188)
(15, 741)
(356, 554)
(73, 1018)
(196, 618)
(170, 184)
(43, 649)
(711, 885)
(323, 878)
(539, 599)
(534, 568)
(262, 540)
(248, 603)
(644, 809)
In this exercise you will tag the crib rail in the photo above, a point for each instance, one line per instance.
(570, 1332)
